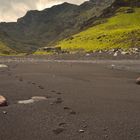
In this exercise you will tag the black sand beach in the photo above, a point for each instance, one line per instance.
(95, 100)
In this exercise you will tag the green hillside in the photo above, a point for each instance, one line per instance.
(4, 50)
(44, 28)
(119, 31)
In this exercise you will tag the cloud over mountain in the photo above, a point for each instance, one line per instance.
(10, 10)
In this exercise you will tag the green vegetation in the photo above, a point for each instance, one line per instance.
(38, 52)
(4, 50)
(44, 28)
(119, 31)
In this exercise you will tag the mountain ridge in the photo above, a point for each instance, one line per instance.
(45, 28)
(40, 28)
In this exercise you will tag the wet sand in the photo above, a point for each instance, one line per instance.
(98, 97)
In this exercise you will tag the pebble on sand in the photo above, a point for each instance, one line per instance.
(3, 101)
(138, 81)
(81, 131)
(4, 112)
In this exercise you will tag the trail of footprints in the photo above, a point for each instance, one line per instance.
(55, 100)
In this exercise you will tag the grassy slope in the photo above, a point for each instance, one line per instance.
(4, 50)
(121, 30)
(38, 52)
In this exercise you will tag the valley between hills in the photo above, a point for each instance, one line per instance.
(71, 72)
(93, 27)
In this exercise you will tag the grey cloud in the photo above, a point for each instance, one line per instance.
(10, 10)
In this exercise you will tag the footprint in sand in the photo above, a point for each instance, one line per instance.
(58, 101)
(53, 91)
(9, 74)
(62, 124)
(29, 82)
(58, 93)
(66, 108)
(58, 130)
(72, 112)
(41, 87)
(20, 79)
(33, 83)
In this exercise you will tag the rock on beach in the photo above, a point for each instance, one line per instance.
(3, 101)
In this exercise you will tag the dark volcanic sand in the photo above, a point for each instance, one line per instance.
(102, 101)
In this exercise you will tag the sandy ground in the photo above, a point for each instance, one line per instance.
(98, 97)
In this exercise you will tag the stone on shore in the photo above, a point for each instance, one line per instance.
(3, 101)
(138, 81)
(81, 131)
(115, 54)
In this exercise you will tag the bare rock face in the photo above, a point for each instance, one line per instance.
(138, 81)
(3, 101)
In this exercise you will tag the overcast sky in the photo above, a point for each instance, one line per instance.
(10, 10)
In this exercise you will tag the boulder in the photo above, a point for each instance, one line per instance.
(124, 53)
(138, 81)
(115, 54)
(3, 101)
(58, 101)
(87, 54)
(81, 131)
